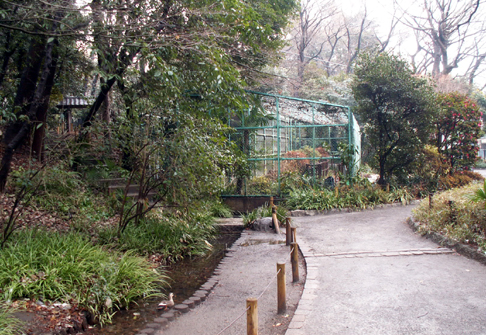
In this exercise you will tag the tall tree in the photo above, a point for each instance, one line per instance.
(43, 28)
(395, 108)
(313, 18)
(448, 32)
(327, 38)
(206, 48)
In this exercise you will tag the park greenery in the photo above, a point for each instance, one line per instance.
(162, 82)
(396, 108)
(68, 268)
(459, 214)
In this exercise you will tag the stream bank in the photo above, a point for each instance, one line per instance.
(186, 277)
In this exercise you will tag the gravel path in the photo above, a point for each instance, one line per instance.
(248, 271)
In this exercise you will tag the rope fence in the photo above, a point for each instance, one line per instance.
(234, 321)
(252, 303)
(268, 286)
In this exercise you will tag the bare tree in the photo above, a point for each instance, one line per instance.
(384, 42)
(355, 35)
(333, 34)
(313, 18)
(447, 33)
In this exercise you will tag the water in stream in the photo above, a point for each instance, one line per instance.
(185, 278)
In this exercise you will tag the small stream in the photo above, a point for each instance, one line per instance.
(185, 276)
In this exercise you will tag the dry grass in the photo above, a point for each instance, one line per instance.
(453, 214)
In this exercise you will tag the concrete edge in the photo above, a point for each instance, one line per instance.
(460, 248)
(306, 301)
(198, 297)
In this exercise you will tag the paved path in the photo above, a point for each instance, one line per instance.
(247, 271)
(369, 273)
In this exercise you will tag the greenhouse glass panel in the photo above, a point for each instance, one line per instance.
(290, 141)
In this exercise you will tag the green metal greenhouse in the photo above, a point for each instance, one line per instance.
(300, 139)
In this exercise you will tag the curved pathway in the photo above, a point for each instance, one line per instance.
(369, 273)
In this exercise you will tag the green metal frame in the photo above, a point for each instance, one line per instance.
(298, 126)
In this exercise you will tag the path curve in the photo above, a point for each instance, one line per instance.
(369, 273)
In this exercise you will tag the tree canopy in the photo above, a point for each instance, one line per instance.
(457, 129)
(123, 51)
(395, 107)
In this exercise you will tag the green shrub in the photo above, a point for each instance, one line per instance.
(345, 197)
(220, 210)
(262, 212)
(291, 180)
(9, 325)
(173, 235)
(262, 185)
(480, 164)
(56, 189)
(454, 215)
(68, 268)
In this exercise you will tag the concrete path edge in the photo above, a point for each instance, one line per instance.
(311, 284)
(460, 248)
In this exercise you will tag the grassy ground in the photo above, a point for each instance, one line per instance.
(65, 247)
(456, 215)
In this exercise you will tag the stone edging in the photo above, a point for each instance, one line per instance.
(461, 248)
(314, 212)
(197, 298)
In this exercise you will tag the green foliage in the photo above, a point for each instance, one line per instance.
(262, 185)
(62, 191)
(68, 268)
(348, 153)
(480, 195)
(455, 216)
(458, 127)
(346, 197)
(395, 108)
(263, 212)
(190, 56)
(424, 174)
(171, 235)
(219, 209)
(291, 179)
(177, 158)
(9, 324)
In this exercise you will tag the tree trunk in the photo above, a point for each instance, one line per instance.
(105, 89)
(43, 105)
(16, 132)
(381, 180)
(7, 55)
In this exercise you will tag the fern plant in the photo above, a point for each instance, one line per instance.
(480, 195)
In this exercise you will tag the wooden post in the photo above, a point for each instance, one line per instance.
(388, 188)
(295, 262)
(293, 234)
(288, 237)
(281, 288)
(275, 220)
(252, 316)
